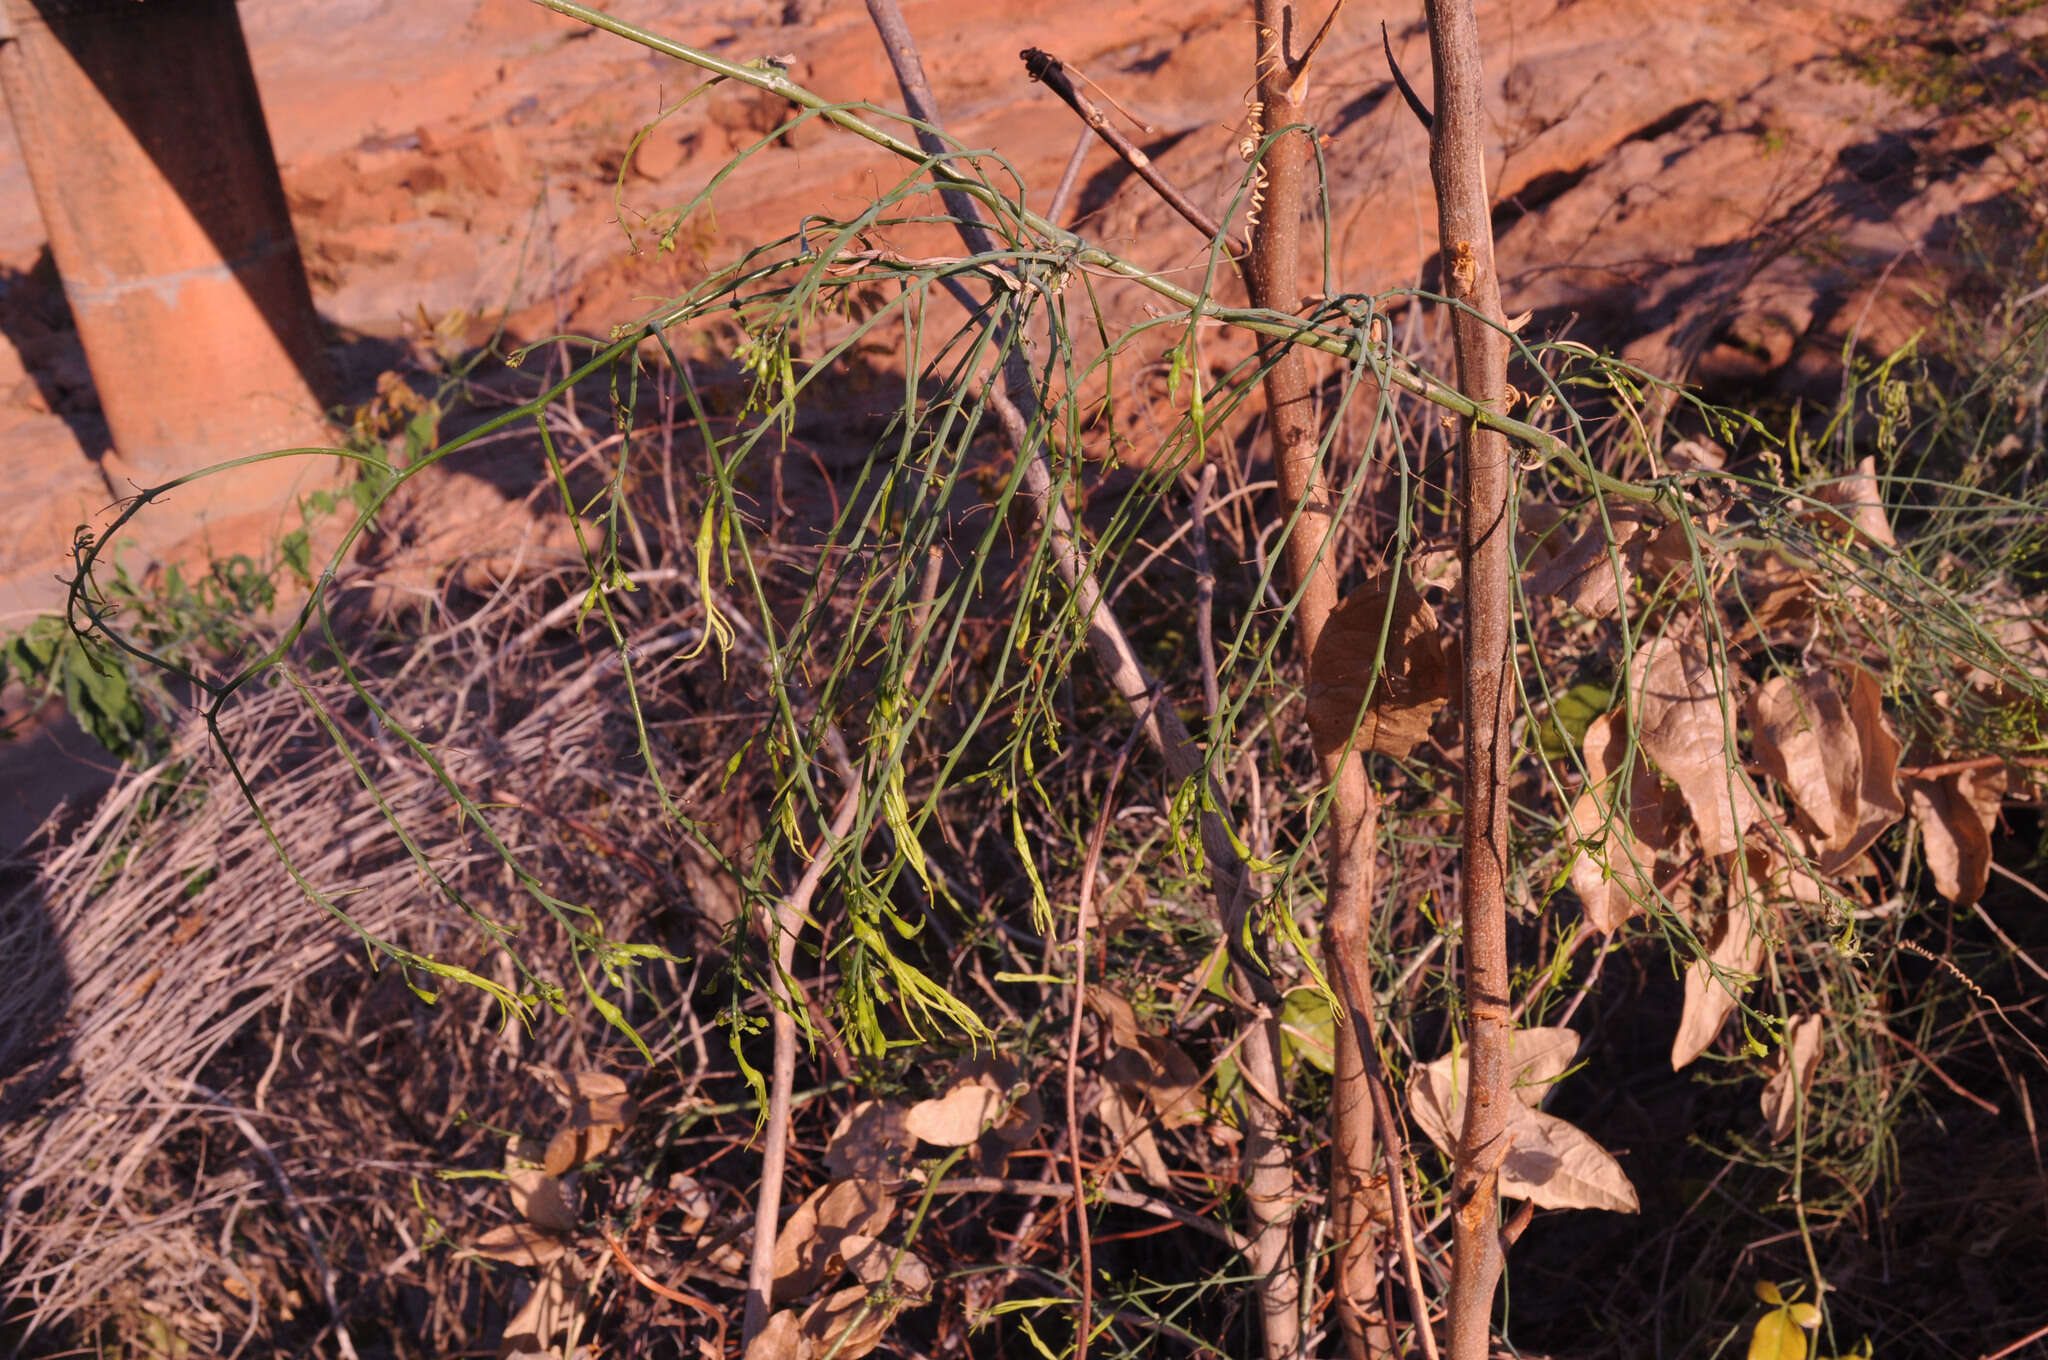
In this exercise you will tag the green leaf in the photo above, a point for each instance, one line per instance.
(617, 1019)
(896, 813)
(1041, 906)
(1032, 1333)
(1573, 712)
(1308, 1029)
(1227, 1081)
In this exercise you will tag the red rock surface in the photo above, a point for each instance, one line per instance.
(1710, 186)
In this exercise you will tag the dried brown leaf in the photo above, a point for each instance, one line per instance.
(1666, 548)
(1557, 1165)
(1790, 879)
(1839, 760)
(1117, 1013)
(1733, 947)
(873, 1142)
(693, 1201)
(1163, 1075)
(1436, 1090)
(1694, 454)
(1858, 494)
(727, 1256)
(520, 1243)
(2020, 627)
(1024, 1112)
(1956, 813)
(1541, 1055)
(1675, 688)
(1591, 573)
(781, 1339)
(593, 1097)
(1550, 1162)
(871, 1263)
(1123, 1116)
(543, 1200)
(1022, 1122)
(1437, 569)
(809, 1241)
(959, 1115)
(549, 1311)
(1777, 599)
(1539, 538)
(1879, 801)
(1805, 741)
(1111, 914)
(984, 1096)
(845, 1325)
(1611, 873)
(578, 1144)
(1414, 682)
(1797, 1059)
(1584, 573)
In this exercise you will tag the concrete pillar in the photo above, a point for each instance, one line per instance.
(144, 137)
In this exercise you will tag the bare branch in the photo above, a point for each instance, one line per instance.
(1480, 335)
(782, 928)
(1049, 71)
(1415, 104)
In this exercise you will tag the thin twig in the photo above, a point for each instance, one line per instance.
(1056, 210)
(2029, 1339)
(654, 1286)
(1050, 72)
(284, 1017)
(2004, 938)
(1972, 763)
(1085, 1318)
(1300, 65)
(1110, 1194)
(1989, 1107)
(1205, 591)
(1393, 1150)
(1415, 104)
(786, 921)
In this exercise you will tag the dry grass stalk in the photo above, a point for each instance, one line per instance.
(166, 926)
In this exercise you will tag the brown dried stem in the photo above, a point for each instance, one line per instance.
(1052, 73)
(1084, 1319)
(787, 920)
(1274, 278)
(1479, 333)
